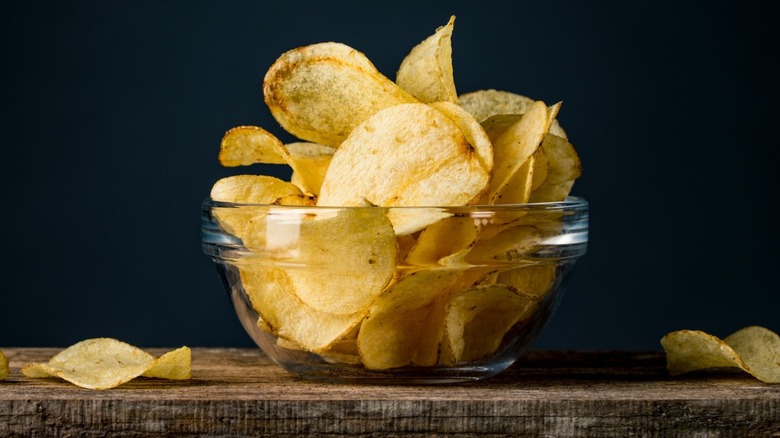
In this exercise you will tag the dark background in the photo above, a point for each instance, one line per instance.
(114, 111)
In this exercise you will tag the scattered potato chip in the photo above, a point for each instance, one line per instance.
(405, 155)
(321, 92)
(755, 350)
(104, 363)
(477, 320)
(246, 145)
(426, 72)
(3, 366)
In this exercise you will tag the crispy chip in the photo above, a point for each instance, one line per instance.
(477, 319)
(3, 366)
(406, 155)
(445, 238)
(486, 104)
(471, 129)
(516, 144)
(273, 297)
(250, 189)
(405, 325)
(755, 350)
(563, 167)
(426, 72)
(339, 260)
(309, 162)
(321, 92)
(246, 145)
(104, 363)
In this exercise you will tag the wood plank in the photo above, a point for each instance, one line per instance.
(240, 392)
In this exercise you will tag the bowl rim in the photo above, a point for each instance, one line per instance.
(570, 203)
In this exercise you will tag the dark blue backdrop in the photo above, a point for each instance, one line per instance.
(114, 111)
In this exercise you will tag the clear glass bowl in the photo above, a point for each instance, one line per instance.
(335, 294)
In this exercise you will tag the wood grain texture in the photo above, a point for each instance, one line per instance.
(239, 392)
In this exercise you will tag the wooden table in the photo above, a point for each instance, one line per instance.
(237, 392)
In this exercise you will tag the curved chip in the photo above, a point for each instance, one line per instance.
(309, 162)
(246, 145)
(486, 104)
(321, 92)
(406, 155)
(273, 297)
(471, 129)
(104, 363)
(477, 319)
(562, 168)
(426, 72)
(517, 143)
(337, 260)
(251, 189)
(754, 350)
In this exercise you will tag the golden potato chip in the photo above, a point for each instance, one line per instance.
(426, 72)
(104, 363)
(535, 280)
(471, 129)
(444, 238)
(246, 145)
(321, 92)
(273, 297)
(406, 155)
(759, 348)
(511, 244)
(309, 162)
(516, 144)
(249, 189)
(477, 319)
(563, 167)
(337, 261)
(397, 334)
(173, 365)
(484, 104)
(3, 366)
(755, 350)
(503, 105)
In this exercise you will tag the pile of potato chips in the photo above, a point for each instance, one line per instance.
(755, 350)
(387, 287)
(104, 363)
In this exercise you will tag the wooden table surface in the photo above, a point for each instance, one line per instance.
(238, 392)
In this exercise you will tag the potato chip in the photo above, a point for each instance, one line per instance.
(477, 319)
(337, 261)
(486, 104)
(471, 129)
(426, 72)
(104, 363)
(273, 297)
(755, 350)
(393, 337)
(447, 237)
(535, 280)
(246, 145)
(406, 155)
(511, 244)
(563, 167)
(309, 162)
(3, 366)
(483, 104)
(250, 189)
(516, 144)
(173, 365)
(321, 92)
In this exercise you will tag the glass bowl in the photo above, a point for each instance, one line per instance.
(407, 295)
